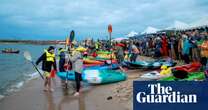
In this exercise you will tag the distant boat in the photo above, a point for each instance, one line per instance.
(10, 51)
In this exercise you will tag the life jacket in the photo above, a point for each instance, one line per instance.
(49, 56)
(59, 52)
(97, 45)
(165, 70)
(62, 50)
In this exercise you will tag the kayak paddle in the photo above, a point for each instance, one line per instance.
(29, 58)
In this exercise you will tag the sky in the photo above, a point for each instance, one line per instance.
(54, 19)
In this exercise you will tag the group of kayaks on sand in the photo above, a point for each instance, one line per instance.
(188, 72)
(78, 64)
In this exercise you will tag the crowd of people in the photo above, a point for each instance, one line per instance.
(188, 46)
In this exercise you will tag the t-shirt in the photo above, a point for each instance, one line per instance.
(134, 49)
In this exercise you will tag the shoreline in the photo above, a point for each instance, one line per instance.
(34, 42)
(116, 96)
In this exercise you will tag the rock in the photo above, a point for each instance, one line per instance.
(109, 98)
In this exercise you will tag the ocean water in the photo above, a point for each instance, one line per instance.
(15, 70)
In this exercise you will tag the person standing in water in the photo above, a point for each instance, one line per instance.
(48, 61)
(77, 65)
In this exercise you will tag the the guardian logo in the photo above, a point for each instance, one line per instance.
(162, 94)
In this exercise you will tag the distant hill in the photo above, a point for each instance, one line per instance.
(38, 42)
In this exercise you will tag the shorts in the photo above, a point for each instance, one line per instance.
(46, 74)
(120, 59)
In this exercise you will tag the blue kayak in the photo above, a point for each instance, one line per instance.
(149, 64)
(103, 67)
(95, 76)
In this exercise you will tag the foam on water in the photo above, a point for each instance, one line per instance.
(17, 86)
(15, 70)
(33, 76)
(1, 97)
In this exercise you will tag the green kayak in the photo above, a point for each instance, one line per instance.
(191, 77)
(103, 52)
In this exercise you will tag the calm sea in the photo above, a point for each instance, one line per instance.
(14, 69)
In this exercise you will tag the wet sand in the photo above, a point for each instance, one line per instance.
(116, 96)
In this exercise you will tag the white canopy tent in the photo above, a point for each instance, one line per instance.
(200, 23)
(150, 30)
(119, 39)
(132, 34)
(178, 25)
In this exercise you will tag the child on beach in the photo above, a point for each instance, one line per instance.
(48, 61)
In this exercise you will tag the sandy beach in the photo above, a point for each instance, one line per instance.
(116, 96)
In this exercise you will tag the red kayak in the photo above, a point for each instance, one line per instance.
(87, 61)
(89, 65)
(98, 64)
(193, 67)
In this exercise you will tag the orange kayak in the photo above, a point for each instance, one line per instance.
(88, 61)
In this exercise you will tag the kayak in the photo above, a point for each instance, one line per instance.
(149, 64)
(88, 61)
(191, 77)
(193, 67)
(12, 51)
(106, 56)
(103, 63)
(103, 52)
(151, 75)
(95, 76)
(100, 58)
(103, 76)
(103, 67)
(90, 65)
(154, 75)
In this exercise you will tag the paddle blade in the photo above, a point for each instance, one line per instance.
(27, 56)
(71, 36)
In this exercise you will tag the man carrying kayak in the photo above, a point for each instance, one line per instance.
(48, 61)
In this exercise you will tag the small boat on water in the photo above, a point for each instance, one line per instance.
(10, 51)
